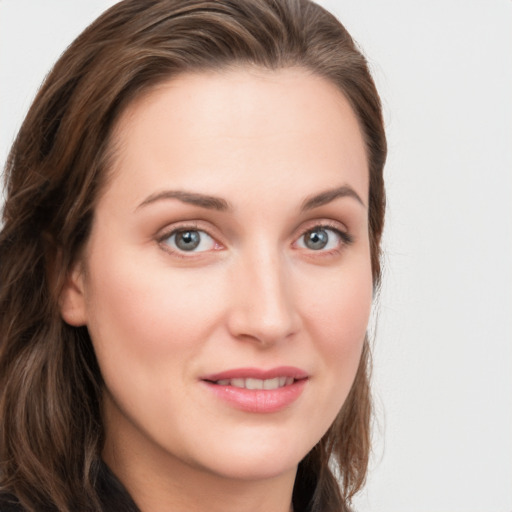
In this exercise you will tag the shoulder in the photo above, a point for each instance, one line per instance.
(112, 495)
(9, 503)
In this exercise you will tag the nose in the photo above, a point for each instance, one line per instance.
(263, 310)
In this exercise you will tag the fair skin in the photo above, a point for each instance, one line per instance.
(268, 279)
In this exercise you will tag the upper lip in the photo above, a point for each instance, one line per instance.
(257, 373)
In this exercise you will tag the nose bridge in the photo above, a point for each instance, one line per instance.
(263, 309)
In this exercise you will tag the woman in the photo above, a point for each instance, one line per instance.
(189, 252)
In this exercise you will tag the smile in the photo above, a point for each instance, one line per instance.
(258, 391)
(268, 384)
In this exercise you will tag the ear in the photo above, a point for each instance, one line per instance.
(72, 298)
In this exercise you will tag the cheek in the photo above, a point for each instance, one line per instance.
(337, 318)
(142, 301)
(340, 307)
(141, 317)
(146, 335)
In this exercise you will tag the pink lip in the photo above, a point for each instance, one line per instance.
(256, 373)
(258, 400)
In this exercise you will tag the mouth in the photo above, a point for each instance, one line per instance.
(250, 383)
(258, 391)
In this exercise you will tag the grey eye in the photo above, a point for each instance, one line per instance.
(316, 239)
(190, 240)
(187, 240)
(323, 238)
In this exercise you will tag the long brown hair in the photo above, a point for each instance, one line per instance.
(51, 431)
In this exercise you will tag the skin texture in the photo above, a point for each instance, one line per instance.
(253, 294)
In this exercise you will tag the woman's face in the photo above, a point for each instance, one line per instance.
(229, 251)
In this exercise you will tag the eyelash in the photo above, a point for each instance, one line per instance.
(183, 229)
(346, 239)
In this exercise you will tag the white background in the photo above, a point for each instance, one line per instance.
(443, 350)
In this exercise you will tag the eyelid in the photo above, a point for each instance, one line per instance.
(167, 232)
(346, 238)
(335, 226)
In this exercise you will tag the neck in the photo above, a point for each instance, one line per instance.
(187, 491)
(167, 483)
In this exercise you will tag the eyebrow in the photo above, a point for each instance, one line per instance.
(201, 200)
(219, 204)
(327, 196)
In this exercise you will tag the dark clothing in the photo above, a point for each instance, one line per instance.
(9, 503)
(113, 496)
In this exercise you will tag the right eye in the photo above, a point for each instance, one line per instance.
(189, 240)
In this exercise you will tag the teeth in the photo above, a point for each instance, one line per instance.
(268, 384)
(238, 383)
(271, 383)
(253, 384)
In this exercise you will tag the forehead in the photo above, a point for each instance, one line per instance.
(211, 127)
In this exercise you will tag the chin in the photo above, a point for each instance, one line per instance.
(253, 470)
(257, 460)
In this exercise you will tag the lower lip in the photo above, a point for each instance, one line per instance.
(259, 400)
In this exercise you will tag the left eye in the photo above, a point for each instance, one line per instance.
(190, 240)
(320, 239)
